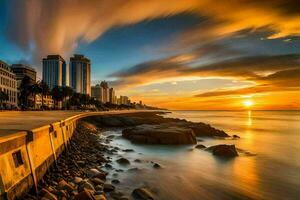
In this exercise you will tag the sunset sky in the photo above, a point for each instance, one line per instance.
(176, 54)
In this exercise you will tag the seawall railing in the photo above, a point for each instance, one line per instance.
(26, 156)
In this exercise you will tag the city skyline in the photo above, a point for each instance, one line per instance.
(192, 55)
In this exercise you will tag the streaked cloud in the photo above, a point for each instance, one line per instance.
(59, 26)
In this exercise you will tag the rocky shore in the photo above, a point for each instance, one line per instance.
(78, 174)
(81, 171)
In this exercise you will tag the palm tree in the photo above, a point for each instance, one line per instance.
(45, 90)
(56, 93)
(66, 93)
(75, 99)
(35, 89)
(25, 91)
(3, 97)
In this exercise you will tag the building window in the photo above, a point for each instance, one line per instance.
(18, 160)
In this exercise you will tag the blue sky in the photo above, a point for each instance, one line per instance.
(176, 54)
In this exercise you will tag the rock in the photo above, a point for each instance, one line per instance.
(115, 181)
(128, 150)
(102, 176)
(99, 188)
(97, 181)
(205, 130)
(123, 161)
(80, 162)
(223, 150)
(134, 169)
(108, 187)
(116, 195)
(236, 137)
(77, 180)
(100, 197)
(108, 166)
(142, 194)
(160, 134)
(85, 195)
(48, 195)
(137, 161)
(110, 136)
(200, 146)
(93, 172)
(86, 185)
(156, 165)
(65, 186)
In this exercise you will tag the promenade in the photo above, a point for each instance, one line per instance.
(15, 121)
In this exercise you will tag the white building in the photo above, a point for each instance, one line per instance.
(80, 76)
(8, 85)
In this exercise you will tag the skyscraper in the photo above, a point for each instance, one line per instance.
(105, 97)
(112, 96)
(55, 71)
(80, 76)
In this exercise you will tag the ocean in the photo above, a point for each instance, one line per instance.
(268, 166)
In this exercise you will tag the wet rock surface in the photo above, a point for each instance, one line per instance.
(142, 194)
(223, 150)
(153, 118)
(159, 134)
(200, 146)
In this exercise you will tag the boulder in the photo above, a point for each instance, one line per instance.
(223, 150)
(115, 181)
(116, 195)
(156, 165)
(100, 197)
(128, 150)
(77, 180)
(65, 186)
(160, 134)
(236, 137)
(93, 172)
(123, 161)
(142, 194)
(200, 146)
(108, 187)
(85, 195)
(48, 195)
(97, 181)
(86, 185)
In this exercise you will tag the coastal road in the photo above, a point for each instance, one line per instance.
(15, 121)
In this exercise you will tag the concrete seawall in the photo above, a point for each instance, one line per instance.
(26, 156)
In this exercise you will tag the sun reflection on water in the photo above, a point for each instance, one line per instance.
(249, 121)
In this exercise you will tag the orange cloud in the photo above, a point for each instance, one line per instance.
(45, 27)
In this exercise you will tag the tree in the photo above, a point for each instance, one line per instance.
(45, 90)
(25, 91)
(35, 89)
(66, 93)
(75, 99)
(3, 97)
(56, 93)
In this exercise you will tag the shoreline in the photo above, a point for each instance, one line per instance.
(78, 173)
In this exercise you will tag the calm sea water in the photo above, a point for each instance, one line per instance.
(271, 171)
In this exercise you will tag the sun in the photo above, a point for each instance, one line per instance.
(248, 103)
